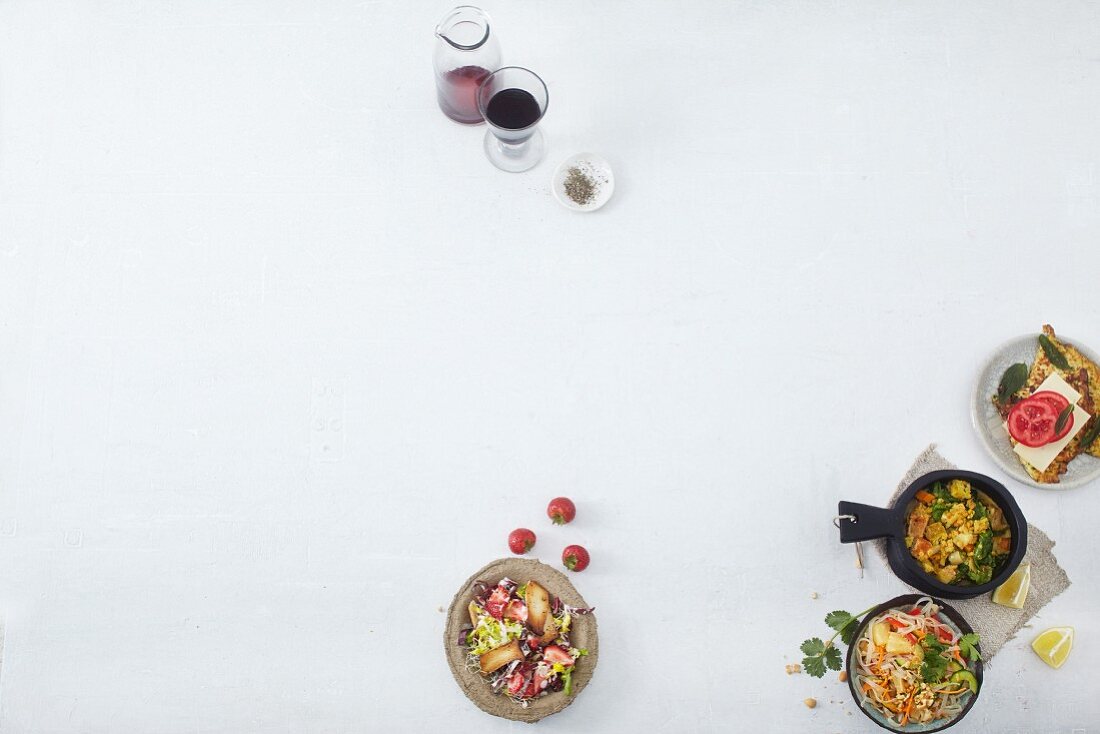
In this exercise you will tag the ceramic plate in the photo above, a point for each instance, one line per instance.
(595, 167)
(990, 427)
(582, 634)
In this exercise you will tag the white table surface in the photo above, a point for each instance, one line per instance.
(283, 358)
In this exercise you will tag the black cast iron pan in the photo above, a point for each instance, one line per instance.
(866, 522)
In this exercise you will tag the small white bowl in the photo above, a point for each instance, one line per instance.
(596, 167)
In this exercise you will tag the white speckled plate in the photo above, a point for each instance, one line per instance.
(990, 428)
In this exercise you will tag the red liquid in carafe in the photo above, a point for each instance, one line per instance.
(457, 90)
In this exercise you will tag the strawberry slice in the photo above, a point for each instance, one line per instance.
(555, 654)
(515, 683)
(534, 687)
(496, 602)
(516, 610)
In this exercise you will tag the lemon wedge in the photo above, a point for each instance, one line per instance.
(1013, 591)
(1053, 645)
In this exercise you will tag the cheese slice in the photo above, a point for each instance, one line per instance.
(1041, 457)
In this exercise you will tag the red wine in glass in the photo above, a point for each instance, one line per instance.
(458, 93)
(513, 109)
(513, 101)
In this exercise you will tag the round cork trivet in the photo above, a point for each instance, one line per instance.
(582, 634)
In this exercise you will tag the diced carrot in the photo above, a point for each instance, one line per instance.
(926, 497)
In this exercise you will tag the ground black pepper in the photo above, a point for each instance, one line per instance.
(580, 187)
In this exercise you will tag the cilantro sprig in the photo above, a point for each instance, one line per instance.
(823, 654)
(934, 665)
(968, 647)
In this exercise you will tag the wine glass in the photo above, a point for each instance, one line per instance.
(513, 100)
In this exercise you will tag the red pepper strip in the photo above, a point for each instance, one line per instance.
(896, 624)
(945, 634)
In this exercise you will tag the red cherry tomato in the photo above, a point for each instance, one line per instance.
(1031, 422)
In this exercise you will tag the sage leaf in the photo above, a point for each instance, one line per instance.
(1013, 379)
(1053, 353)
(1063, 418)
(1090, 435)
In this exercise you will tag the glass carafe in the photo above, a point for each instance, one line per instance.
(465, 53)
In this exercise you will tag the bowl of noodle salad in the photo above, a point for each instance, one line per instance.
(914, 665)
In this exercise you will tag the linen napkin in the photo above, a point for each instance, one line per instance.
(994, 623)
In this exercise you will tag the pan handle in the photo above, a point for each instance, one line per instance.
(863, 522)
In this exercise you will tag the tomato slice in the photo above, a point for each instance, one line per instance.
(1031, 422)
(1051, 398)
(1065, 429)
(1059, 403)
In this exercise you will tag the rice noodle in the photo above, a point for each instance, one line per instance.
(891, 682)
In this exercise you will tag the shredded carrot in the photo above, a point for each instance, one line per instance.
(959, 658)
(908, 709)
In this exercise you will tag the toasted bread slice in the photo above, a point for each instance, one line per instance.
(498, 657)
(538, 607)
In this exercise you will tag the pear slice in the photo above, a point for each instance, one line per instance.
(498, 657)
(473, 613)
(538, 606)
(551, 631)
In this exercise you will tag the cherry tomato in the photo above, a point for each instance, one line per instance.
(1031, 422)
